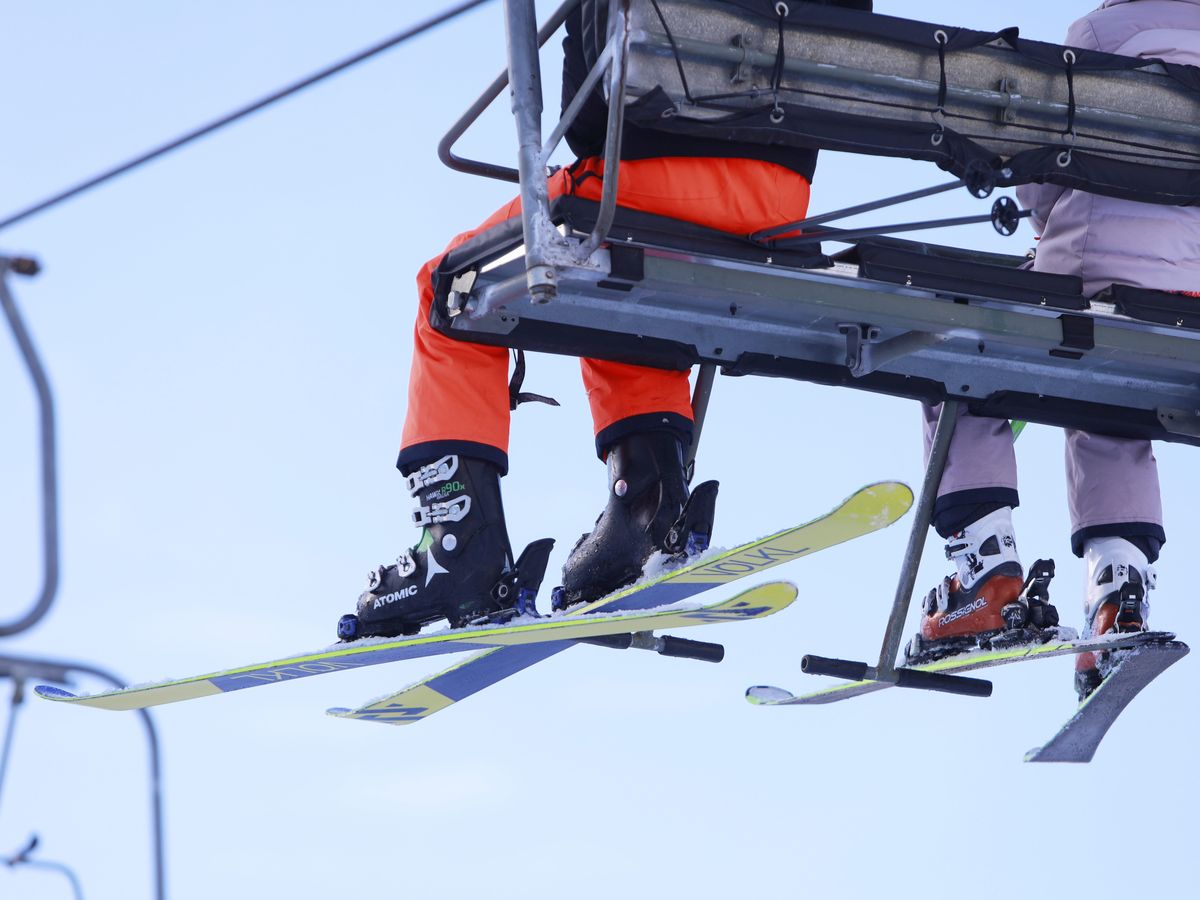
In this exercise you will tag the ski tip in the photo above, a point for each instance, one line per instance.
(765, 695)
(338, 711)
(49, 692)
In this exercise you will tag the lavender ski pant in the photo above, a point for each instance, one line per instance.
(1112, 483)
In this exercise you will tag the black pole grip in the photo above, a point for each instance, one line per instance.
(907, 678)
(949, 684)
(682, 647)
(838, 668)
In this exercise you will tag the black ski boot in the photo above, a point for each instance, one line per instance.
(462, 568)
(649, 510)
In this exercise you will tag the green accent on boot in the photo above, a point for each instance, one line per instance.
(425, 543)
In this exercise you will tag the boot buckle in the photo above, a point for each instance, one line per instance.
(450, 511)
(433, 473)
(405, 564)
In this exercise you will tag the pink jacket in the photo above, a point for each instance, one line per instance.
(1102, 239)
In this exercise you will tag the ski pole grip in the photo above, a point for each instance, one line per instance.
(949, 684)
(686, 649)
(838, 668)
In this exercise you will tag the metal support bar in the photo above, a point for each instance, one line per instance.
(20, 668)
(855, 234)
(22, 858)
(619, 14)
(667, 645)
(909, 678)
(526, 84)
(865, 353)
(493, 90)
(580, 99)
(701, 394)
(49, 469)
(922, 517)
(1180, 421)
(848, 211)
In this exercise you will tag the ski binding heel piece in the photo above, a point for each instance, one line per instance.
(516, 592)
(691, 533)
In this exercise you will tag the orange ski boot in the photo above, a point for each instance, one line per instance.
(987, 598)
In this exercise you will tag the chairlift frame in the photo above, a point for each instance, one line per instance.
(971, 331)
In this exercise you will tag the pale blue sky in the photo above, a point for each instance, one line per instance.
(228, 333)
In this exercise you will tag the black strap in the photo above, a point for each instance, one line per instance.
(1069, 58)
(515, 396)
(781, 10)
(942, 39)
(674, 50)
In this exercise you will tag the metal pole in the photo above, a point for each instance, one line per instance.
(857, 234)
(618, 10)
(49, 469)
(705, 376)
(18, 697)
(848, 211)
(526, 87)
(947, 420)
(459, 128)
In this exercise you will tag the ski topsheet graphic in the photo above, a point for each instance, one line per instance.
(522, 643)
(869, 509)
(754, 603)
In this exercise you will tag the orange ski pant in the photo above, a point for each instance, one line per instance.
(458, 392)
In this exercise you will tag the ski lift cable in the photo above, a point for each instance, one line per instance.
(241, 113)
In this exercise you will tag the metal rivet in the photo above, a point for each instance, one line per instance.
(621, 488)
(449, 542)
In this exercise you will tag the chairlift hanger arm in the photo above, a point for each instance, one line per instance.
(46, 428)
(59, 672)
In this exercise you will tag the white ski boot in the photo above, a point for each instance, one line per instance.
(1118, 578)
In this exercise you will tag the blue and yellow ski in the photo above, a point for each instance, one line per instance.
(869, 509)
(754, 603)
